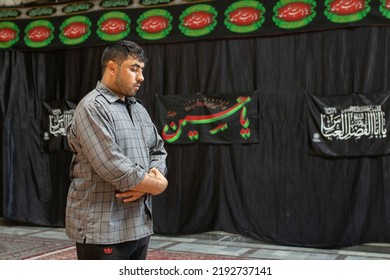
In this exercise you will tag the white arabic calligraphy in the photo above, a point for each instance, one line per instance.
(59, 121)
(355, 121)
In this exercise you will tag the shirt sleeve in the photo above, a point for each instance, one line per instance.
(96, 141)
(158, 154)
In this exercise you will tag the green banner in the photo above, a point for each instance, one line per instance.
(160, 21)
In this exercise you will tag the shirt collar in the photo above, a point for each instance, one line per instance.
(107, 94)
(112, 97)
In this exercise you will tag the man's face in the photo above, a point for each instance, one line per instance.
(129, 77)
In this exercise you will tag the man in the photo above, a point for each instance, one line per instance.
(118, 162)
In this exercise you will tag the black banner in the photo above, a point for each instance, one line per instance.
(349, 125)
(57, 115)
(213, 119)
(87, 23)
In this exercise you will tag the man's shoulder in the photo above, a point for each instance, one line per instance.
(96, 96)
(100, 94)
(89, 98)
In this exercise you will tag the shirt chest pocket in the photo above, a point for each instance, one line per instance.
(147, 130)
(134, 134)
(135, 129)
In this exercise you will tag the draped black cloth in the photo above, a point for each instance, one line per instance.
(273, 190)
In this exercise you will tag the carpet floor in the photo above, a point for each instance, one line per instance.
(153, 254)
(14, 247)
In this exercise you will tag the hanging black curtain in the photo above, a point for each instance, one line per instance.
(272, 190)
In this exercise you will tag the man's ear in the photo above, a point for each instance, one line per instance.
(112, 67)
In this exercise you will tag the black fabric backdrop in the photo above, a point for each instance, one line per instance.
(273, 191)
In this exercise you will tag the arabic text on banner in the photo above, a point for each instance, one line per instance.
(212, 119)
(90, 23)
(57, 115)
(349, 125)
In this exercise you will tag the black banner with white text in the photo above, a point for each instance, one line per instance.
(57, 115)
(349, 125)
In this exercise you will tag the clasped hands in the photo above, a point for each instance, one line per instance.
(154, 183)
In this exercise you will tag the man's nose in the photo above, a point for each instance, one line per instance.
(140, 77)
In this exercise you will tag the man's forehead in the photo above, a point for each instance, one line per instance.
(134, 61)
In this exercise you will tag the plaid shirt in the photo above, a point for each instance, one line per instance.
(114, 146)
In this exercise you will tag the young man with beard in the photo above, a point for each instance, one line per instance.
(119, 162)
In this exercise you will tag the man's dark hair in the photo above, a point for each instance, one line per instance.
(120, 51)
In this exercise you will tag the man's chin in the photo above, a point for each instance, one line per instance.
(131, 94)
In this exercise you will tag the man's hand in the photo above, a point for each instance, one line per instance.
(154, 172)
(130, 195)
(154, 183)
